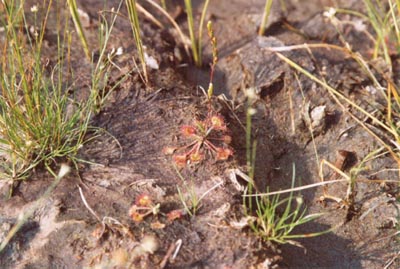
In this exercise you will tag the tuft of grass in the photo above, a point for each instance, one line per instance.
(268, 223)
(134, 20)
(37, 124)
(384, 18)
(273, 226)
(100, 84)
(386, 27)
(193, 204)
(40, 121)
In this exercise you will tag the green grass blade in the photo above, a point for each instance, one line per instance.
(73, 8)
(134, 19)
(189, 13)
(267, 11)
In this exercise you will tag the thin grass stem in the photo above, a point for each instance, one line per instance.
(264, 21)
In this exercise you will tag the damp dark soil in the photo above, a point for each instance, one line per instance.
(138, 121)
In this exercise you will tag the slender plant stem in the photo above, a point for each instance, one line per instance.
(267, 11)
(203, 15)
(78, 26)
(134, 19)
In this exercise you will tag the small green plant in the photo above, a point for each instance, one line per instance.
(273, 226)
(134, 20)
(100, 87)
(192, 206)
(40, 121)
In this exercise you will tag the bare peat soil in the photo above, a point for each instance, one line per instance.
(139, 121)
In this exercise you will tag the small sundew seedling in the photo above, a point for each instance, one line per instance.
(143, 207)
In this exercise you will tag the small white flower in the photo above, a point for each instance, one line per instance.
(251, 93)
(120, 50)
(360, 26)
(252, 111)
(33, 31)
(299, 200)
(371, 89)
(34, 9)
(330, 13)
(151, 61)
(149, 244)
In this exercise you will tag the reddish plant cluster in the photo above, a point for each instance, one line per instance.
(143, 207)
(207, 137)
